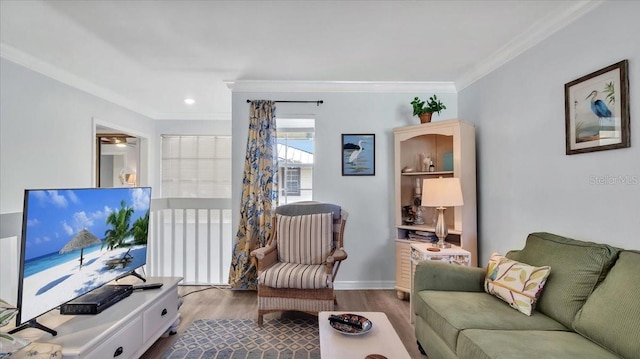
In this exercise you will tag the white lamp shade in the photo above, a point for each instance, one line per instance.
(441, 192)
(130, 178)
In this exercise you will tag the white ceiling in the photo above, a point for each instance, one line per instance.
(149, 55)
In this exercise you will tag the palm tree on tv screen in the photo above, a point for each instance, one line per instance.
(120, 221)
(140, 229)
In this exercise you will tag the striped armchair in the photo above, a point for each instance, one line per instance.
(297, 267)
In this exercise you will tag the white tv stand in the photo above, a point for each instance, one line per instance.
(125, 330)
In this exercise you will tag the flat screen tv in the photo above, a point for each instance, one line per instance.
(76, 240)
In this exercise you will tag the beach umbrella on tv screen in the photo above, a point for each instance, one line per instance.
(81, 240)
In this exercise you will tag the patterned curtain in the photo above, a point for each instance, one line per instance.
(259, 194)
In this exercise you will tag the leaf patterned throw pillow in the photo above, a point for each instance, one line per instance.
(10, 344)
(516, 283)
(7, 312)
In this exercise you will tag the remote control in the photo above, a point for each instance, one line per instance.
(349, 320)
(146, 286)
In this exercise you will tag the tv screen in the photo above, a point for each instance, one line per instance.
(76, 240)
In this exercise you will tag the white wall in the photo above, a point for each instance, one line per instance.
(526, 183)
(368, 199)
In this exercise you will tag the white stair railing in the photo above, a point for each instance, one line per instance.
(190, 238)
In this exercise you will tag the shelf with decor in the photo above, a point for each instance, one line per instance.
(425, 228)
(428, 151)
(436, 174)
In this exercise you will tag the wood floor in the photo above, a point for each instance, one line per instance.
(209, 302)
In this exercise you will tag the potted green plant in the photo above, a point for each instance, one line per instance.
(425, 110)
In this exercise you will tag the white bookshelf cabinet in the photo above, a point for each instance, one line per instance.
(451, 146)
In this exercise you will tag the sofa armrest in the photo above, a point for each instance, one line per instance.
(433, 275)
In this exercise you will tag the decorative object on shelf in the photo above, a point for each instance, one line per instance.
(441, 193)
(358, 154)
(447, 161)
(424, 162)
(408, 215)
(597, 110)
(417, 199)
(419, 219)
(422, 236)
(418, 211)
(425, 110)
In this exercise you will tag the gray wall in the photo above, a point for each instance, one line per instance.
(368, 199)
(46, 141)
(526, 182)
(46, 133)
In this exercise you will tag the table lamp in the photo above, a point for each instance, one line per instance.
(441, 193)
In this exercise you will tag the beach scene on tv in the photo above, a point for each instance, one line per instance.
(77, 240)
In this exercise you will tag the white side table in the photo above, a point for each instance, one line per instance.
(420, 252)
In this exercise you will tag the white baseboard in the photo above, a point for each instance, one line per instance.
(350, 285)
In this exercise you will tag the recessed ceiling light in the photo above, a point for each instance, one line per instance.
(189, 101)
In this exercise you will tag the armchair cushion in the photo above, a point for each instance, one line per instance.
(296, 275)
(306, 239)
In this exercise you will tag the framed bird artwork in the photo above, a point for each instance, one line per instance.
(358, 154)
(597, 110)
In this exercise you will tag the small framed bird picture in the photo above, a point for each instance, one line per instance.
(597, 110)
(358, 154)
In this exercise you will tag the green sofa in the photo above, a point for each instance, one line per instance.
(589, 306)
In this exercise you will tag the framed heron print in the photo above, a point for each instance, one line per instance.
(596, 110)
(358, 154)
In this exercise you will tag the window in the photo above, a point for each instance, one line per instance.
(196, 166)
(295, 159)
(291, 176)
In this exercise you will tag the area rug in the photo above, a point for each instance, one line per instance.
(290, 338)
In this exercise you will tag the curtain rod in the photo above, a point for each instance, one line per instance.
(318, 102)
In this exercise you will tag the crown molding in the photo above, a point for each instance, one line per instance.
(535, 34)
(214, 116)
(23, 59)
(340, 86)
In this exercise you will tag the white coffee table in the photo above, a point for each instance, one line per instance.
(381, 339)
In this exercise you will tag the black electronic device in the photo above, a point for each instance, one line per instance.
(96, 301)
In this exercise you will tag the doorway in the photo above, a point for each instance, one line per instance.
(117, 158)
